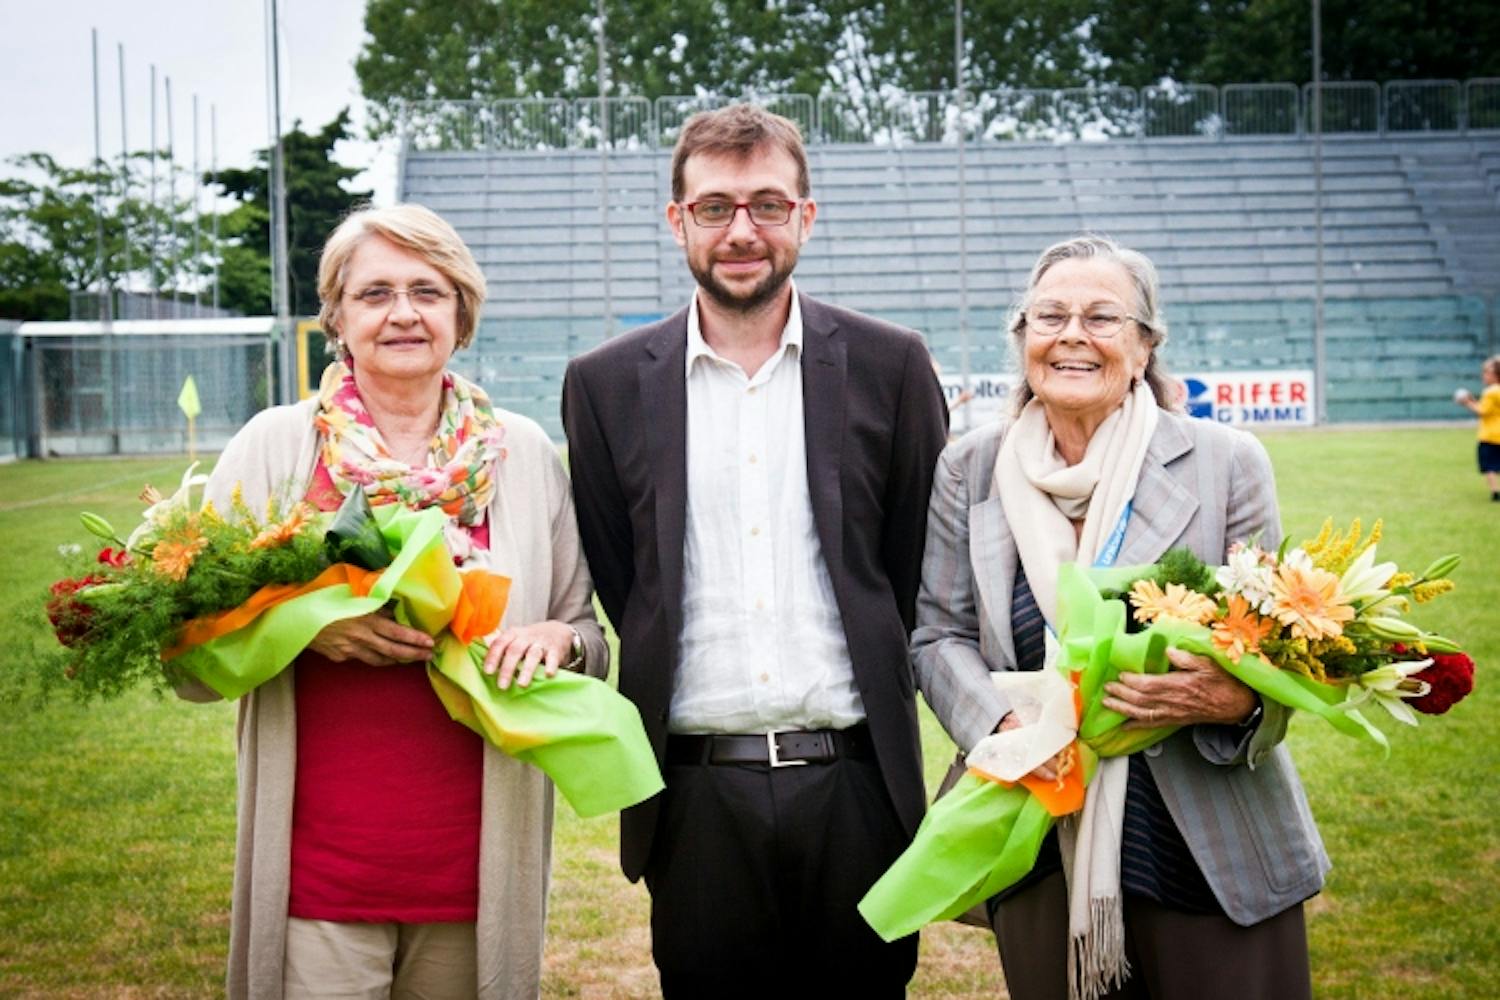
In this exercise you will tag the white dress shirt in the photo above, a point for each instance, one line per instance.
(763, 645)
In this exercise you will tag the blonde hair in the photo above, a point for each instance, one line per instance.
(411, 227)
(1152, 325)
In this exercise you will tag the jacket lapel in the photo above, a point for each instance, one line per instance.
(992, 559)
(825, 366)
(663, 382)
(1162, 506)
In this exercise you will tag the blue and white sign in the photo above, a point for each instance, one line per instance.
(1252, 399)
(990, 399)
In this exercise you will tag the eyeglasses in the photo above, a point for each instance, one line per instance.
(423, 298)
(719, 213)
(1050, 319)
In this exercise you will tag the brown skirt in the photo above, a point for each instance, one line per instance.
(1173, 955)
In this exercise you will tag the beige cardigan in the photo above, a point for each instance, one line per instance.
(534, 541)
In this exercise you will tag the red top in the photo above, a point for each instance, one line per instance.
(386, 810)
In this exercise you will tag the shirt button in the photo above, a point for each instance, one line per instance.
(752, 458)
(751, 390)
(755, 531)
(760, 604)
(1154, 750)
(765, 678)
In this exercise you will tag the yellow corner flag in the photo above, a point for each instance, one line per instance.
(187, 399)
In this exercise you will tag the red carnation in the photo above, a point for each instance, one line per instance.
(70, 616)
(1452, 678)
(113, 557)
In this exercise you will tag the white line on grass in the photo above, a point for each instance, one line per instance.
(91, 488)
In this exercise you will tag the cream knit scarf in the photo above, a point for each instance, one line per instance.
(1042, 495)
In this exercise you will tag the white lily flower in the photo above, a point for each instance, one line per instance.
(1246, 575)
(1298, 559)
(1389, 686)
(157, 512)
(1365, 580)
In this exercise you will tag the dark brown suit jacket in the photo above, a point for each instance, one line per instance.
(875, 421)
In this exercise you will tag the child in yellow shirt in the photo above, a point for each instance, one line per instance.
(1487, 406)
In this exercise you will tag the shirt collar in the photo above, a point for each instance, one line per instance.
(697, 347)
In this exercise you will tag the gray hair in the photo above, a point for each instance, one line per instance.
(1152, 325)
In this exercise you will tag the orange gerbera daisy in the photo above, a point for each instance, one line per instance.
(279, 534)
(1177, 601)
(1309, 600)
(1241, 630)
(174, 558)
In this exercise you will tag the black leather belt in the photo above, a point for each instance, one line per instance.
(783, 749)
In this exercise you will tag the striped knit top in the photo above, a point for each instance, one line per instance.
(1155, 861)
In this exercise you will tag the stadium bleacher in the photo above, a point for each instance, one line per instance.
(1411, 249)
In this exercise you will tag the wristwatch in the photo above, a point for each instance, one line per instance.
(575, 662)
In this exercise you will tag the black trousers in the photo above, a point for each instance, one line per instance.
(754, 876)
(1173, 955)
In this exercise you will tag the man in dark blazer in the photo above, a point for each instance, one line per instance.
(751, 476)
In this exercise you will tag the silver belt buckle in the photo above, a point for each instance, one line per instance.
(776, 760)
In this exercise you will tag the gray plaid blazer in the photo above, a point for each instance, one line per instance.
(1236, 798)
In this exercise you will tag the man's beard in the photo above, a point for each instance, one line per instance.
(768, 288)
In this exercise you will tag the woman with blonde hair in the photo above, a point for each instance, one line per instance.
(383, 849)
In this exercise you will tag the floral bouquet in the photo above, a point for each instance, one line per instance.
(230, 599)
(1321, 628)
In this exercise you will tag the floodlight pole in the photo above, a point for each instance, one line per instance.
(197, 220)
(604, 130)
(1320, 345)
(963, 229)
(124, 172)
(154, 275)
(172, 256)
(280, 272)
(105, 313)
(213, 167)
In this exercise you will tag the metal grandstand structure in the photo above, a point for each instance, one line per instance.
(1012, 114)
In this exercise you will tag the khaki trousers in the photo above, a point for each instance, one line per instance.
(334, 960)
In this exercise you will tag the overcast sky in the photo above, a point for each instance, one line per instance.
(213, 48)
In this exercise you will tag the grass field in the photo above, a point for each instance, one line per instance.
(116, 821)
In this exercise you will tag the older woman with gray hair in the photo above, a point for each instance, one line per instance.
(1196, 885)
(383, 849)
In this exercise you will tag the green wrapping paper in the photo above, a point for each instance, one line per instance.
(578, 730)
(984, 836)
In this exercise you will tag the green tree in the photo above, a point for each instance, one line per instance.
(483, 50)
(49, 235)
(317, 199)
(1254, 41)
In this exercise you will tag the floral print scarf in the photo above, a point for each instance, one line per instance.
(459, 476)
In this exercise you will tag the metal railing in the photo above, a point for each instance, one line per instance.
(891, 119)
(1482, 103)
(523, 123)
(1348, 106)
(1189, 109)
(675, 109)
(1424, 106)
(1260, 109)
(1010, 114)
(631, 123)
